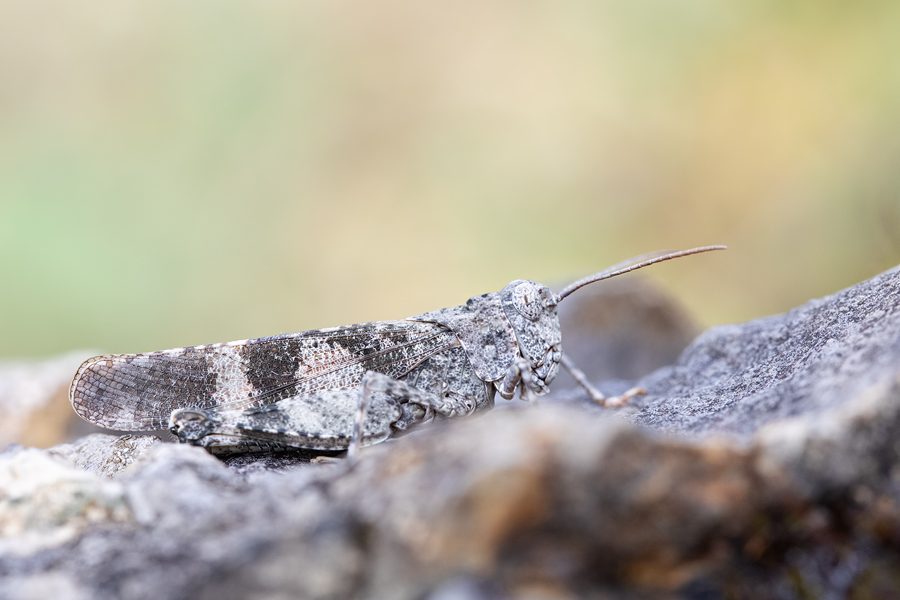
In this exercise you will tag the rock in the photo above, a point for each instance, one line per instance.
(104, 454)
(544, 498)
(829, 353)
(763, 463)
(34, 402)
(46, 503)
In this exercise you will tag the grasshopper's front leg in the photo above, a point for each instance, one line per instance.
(519, 375)
(595, 394)
(446, 406)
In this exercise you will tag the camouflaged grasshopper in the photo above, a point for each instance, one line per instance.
(344, 387)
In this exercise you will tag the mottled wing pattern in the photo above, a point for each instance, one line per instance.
(138, 392)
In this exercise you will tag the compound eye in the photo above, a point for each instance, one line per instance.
(527, 300)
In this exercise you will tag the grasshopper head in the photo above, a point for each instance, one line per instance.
(521, 320)
(531, 310)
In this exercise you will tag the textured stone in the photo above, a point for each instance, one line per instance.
(105, 454)
(762, 464)
(829, 353)
(46, 503)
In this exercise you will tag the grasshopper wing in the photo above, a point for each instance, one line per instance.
(138, 392)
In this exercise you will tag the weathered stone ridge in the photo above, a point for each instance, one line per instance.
(825, 354)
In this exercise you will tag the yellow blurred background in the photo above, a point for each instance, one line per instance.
(179, 173)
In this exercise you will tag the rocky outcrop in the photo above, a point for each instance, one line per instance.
(763, 463)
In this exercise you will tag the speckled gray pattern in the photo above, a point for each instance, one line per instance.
(297, 390)
(484, 332)
(301, 390)
(139, 391)
(733, 379)
(550, 501)
(322, 421)
(531, 307)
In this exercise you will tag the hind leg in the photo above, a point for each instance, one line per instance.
(403, 392)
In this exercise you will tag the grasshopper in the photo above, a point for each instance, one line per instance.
(345, 387)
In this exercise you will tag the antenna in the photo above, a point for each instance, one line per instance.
(633, 264)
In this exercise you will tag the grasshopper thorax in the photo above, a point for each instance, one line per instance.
(498, 329)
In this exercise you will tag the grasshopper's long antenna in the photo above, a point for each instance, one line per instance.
(620, 269)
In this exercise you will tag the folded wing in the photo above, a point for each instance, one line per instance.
(138, 392)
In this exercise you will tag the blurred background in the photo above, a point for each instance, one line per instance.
(180, 173)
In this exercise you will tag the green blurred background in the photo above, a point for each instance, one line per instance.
(178, 173)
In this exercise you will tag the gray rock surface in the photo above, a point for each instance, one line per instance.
(104, 454)
(763, 464)
(826, 354)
